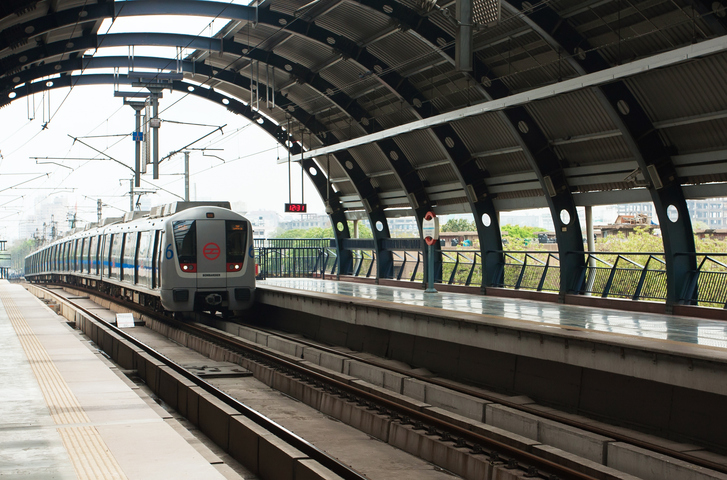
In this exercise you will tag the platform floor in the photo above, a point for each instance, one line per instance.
(64, 414)
(708, 333)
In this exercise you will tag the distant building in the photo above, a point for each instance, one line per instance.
(264, 222)
(403, 227)
(305, 221)
(711, 212)
(627, 224)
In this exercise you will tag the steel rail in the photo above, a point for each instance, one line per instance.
(484, 441)
(544, 466)
(278, 430)
(523, 408)
(527, 458)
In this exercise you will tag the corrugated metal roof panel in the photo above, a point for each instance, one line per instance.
(505, 164)
(603, 150)
(485, 133)
(348, 77)
(421, 147)
(575, 114)
(305, 96)
(370, 158)
(404, 51)
(254, 35)
(354, 21)
(698, 136)
(693, 88)
(439, 175)
(385, 183)
(306, 52)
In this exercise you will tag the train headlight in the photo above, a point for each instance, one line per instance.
(234, 267)
(188, 267)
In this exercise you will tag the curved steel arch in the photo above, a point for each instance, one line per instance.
(368, 194)
(338, 216)
(461, 159)
(637, 130)
(49, 22)
(532, 140)
(38, 26)
(414, 189)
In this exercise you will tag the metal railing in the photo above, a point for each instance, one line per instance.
(528, 270)
(624, 275)
(276, 262)
(629, 275)
(707, 285)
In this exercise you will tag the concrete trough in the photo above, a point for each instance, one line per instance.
(655, 466)
(277, 459)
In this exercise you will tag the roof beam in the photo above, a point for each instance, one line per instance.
(679, 55)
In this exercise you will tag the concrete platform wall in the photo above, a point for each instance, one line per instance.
(618, 390)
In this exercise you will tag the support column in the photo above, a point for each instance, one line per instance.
(591, 242)
(155, 123)
(138, 107)
(186, 176)
(131, 195)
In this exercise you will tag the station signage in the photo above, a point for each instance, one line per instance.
(296, 208)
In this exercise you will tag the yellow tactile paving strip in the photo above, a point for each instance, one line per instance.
(90, 456)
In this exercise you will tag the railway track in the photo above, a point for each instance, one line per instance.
(496, 453)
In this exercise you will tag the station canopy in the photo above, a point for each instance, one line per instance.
(399, 107)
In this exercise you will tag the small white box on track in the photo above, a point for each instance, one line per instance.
(124, 320)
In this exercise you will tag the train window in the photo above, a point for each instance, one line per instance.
(108, 243)
(117, 249)
(91, 254)
(98, 255)
(82, 255)
(129, 261)
(236, 241)
(76, 254)
(115, 255)
(87, 256)
(185, 238)
(143, 262)
(156, 259)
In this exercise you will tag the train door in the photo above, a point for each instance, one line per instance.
(236, 243)
(211, 256)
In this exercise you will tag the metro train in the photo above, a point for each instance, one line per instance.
(181, 257)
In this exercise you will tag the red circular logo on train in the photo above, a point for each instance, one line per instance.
(211, 251)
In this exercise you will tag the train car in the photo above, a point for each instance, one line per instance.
(181, 257)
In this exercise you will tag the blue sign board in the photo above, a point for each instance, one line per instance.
(137, 136)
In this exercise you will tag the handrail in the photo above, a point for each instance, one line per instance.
(637, 276)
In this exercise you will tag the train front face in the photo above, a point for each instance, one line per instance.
(208, 261)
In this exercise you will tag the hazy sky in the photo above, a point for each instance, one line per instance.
(249, 174)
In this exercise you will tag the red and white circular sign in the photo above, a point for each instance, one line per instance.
(211, 251)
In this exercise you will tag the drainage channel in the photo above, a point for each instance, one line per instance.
(477, 456)
(172, 382)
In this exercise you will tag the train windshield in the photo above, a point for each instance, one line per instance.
(236, 233)
(185, 238)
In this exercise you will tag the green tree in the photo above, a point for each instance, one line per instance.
(317, 232)
(519, 231)
(458, 225)
(18, 251)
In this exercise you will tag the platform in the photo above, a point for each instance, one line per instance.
(64, 414)
(711, 333)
